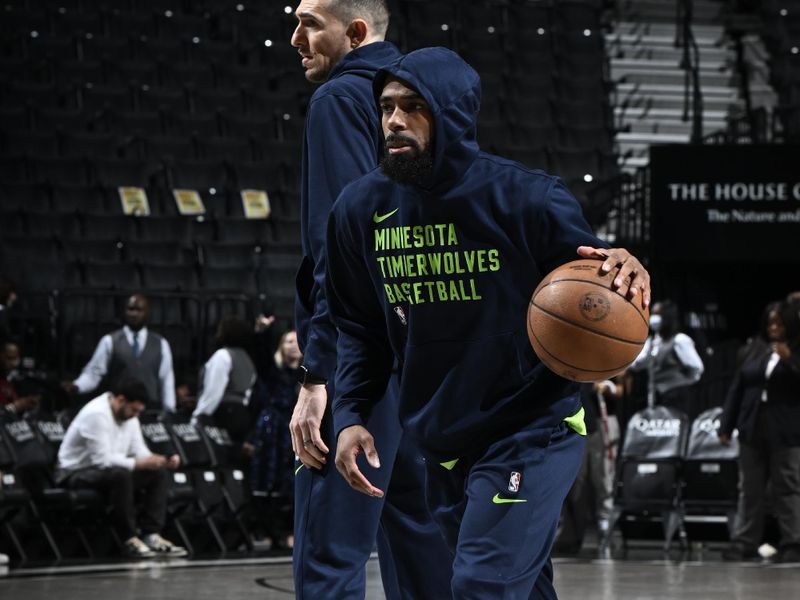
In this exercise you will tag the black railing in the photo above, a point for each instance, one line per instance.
(690, 63)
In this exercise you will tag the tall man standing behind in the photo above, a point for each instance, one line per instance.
(132, 351)
(341, 44)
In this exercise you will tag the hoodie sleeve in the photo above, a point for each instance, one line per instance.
(562, 228)
(364, 352)
(340, 150)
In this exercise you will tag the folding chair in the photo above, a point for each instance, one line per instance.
(648, 486)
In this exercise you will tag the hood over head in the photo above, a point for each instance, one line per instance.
(452, 90)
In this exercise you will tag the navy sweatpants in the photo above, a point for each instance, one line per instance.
(336, 528)
(499, 511)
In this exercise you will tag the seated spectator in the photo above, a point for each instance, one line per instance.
(9, 362)
(227, 381)
(132, 351)
(273, 458)
(103, 449)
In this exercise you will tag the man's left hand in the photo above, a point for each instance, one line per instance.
(629, 266)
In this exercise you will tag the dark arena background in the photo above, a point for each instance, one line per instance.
(154, 146)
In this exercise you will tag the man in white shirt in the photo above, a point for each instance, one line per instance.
(132, 351)
(228, 378)
(104, 449)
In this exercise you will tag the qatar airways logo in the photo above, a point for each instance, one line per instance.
(657, 427)
(709, 426)
(20, 431)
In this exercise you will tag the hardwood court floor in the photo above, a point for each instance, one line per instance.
(270, 579)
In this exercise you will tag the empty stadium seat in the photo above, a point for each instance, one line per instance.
(24, 196)
(30, 143)
(60, 170)
(198, 175)
(112, 172)
(79, 199)
(110, 227)
(226, 101)
(91, 250)
(230, 149)
(91, 145)
(166, 253)
(230, 255)
(245, 126)
(201, 125)
(59, 119)
(169, 278)
(15, 118)
(243, 231)
(154, 99)
(118, 276)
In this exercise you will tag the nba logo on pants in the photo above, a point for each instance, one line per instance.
(513, 481)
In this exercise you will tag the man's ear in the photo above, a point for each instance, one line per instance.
(357, 32)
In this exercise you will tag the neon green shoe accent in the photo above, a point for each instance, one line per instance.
(449, 464)
(576, 422)
(498, 500)
(297, 470)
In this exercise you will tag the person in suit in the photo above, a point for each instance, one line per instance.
(132, 351)
(763, 403)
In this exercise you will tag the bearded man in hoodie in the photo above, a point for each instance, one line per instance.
(431, 263)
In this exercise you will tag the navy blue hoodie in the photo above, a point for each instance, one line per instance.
(342, 142)
(440, 277)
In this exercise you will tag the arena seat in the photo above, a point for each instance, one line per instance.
(92, 250)
(169, 278)
(220, 148)
(30, 143)
(150, 98)
(91, 145)
(15, 118)
(163, 253)
(119, 276)
(222, 100)
(200, 125)
(106, 49)
(229, 279)
(135, 123)
(24, 196)
(194, 76)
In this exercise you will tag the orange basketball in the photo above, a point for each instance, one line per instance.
(580, 327)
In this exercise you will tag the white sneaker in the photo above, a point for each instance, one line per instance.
(136, 548)
(3, 559)
(164, 547)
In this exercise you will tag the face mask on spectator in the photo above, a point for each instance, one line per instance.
(655, 323)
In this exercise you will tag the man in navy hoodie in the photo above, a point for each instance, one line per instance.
(342, 47)
(432, 260)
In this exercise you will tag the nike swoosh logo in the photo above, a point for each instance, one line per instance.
(379, 218)
(498, 500)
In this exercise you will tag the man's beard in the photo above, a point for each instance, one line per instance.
(414, 166)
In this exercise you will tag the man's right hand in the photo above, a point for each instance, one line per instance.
(69, 387)
(724, 439)
(151, 463)
(305, 425)
(353, 441)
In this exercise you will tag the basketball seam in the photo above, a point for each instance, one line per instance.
(582, 326)
(563, 362)
(638, 312)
